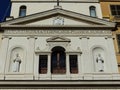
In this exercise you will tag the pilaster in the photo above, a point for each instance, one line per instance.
(86, 63)
(30, 54)
(111, 56)
(3, 55)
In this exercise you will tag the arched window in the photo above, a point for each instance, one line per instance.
(92, 11)
(58, 60)
(22, 11)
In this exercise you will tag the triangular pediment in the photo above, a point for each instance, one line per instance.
(58, 39)
(58, 17)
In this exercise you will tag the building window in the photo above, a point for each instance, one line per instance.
(92, 11)
(115, 10)
(43, 64)
(22, 11)
(119, 68)
(58, 60)
(118, 41)
(73, 64)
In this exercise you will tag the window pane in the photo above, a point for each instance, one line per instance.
(118, 13)
(114, 13)
(43, 64)
(22, 12)
(93, 14)
(112, 7)
(118, 7)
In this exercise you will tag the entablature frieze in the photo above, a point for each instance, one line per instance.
(57, 32)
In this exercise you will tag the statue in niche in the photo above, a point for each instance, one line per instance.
(16, 63)
(100, 63)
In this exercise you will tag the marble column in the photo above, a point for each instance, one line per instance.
(79, 64)
(49, 66)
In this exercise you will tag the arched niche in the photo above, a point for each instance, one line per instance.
(98, 54)
(17, 51)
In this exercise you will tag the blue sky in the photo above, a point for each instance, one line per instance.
(4, 9)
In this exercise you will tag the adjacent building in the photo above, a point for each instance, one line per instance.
(111, 11)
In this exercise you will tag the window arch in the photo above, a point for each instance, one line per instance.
(58, 60)
(92, 10)
(22, 11)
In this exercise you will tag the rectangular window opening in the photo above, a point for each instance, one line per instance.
(119, 67)
(115, 10)
(73, 64)
(43, 60)
(118, 41)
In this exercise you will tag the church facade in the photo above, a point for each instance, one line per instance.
(49, 46)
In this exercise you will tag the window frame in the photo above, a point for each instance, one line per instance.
(118, 42)
(43, 70)
(115, 5)
(22, 9)
(62, 63)
(90, 11)
(73, 70)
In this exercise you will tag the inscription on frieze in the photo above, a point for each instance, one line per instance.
(60, 32)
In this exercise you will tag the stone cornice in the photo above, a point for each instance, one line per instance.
(90, 1)
(54, 27)
(61, 84)
(109, 0)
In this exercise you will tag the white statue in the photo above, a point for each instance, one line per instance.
(100, 63)
(16, 63)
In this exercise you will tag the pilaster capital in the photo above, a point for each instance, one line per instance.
(84, 37)
(28, 37)
(106, 37)
(9, 37)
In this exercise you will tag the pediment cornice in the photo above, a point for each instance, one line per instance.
(54, 12)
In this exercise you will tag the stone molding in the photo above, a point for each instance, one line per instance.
(55, 1)
(58, 39)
